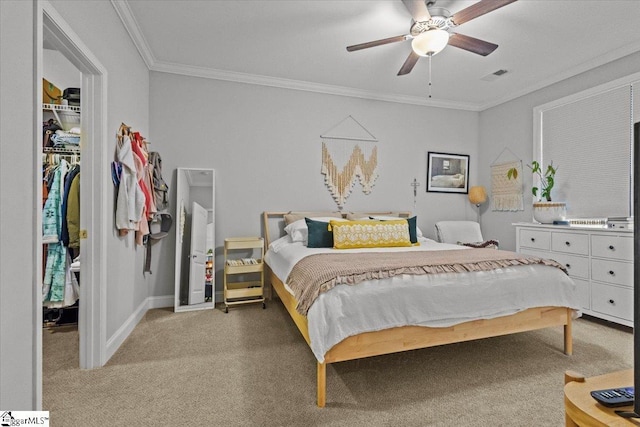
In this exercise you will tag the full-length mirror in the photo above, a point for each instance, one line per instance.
(195, 219)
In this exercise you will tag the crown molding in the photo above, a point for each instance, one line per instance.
(131, 25)
(572, 72)
(208, 73)
(133, 28)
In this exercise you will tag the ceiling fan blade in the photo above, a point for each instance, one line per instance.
(417, 9)
(478, 9)
(378, 42)
(409, 63)
(471, 44)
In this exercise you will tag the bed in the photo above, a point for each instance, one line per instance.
(448, 181)
(406, 311)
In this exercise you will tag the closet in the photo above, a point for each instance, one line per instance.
(61, 152)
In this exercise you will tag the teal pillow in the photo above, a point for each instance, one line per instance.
(413, 233)
(319, 235)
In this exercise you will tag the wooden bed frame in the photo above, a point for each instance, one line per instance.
(414, 337)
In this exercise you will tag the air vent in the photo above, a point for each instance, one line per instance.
(494, 76)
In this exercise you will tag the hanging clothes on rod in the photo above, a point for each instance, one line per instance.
(60, 287)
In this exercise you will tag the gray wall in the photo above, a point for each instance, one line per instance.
(264, 144)
(128, 98)
(100, 29)
(511, 125)
(17, 217)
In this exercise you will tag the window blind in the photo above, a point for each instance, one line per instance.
(590, 141)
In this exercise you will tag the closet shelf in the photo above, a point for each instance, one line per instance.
(67, 115)
(56, 150)
(70, 109)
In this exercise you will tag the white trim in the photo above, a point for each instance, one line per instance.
(131, 25)
(92, 311)
(538, 116)
(163, 301)
(614, 84)
(208, 73)
(127, 327)
(581, 68)
(37, 249)
(540, 109)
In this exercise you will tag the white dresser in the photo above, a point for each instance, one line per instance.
(599, 260)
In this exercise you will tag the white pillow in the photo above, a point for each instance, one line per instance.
(299, 232)
(278, 244)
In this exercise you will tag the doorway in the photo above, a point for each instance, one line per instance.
(91, 313)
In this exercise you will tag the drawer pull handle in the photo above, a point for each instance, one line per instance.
(568, 265)
(611, 301)
(533, 239)
(611, 247)
(567, 243)
(612, 273)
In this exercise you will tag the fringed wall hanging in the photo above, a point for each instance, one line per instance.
(345, 158)
(506, 194)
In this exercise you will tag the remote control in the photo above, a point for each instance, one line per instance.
(611, 397)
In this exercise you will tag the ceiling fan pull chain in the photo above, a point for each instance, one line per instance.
(430, 76)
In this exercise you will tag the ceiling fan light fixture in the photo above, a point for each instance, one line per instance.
(430, 42)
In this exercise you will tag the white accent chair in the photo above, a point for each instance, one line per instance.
(458, 231)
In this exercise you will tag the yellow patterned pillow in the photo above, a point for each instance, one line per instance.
(370, 234)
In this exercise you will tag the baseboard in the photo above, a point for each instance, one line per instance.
(114, 343)
(160, 302)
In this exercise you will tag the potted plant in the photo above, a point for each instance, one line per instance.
(544, 209)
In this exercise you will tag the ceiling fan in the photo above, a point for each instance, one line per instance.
(430, 33)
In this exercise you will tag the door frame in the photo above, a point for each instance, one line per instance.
(93, 195)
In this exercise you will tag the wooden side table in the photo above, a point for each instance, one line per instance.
(582, 410)
(251, 288)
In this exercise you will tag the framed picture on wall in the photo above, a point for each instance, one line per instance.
(447, 173)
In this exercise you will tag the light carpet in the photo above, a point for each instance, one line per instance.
(251, 367)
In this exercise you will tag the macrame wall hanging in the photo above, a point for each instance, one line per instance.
(506, 194)
(349, 151)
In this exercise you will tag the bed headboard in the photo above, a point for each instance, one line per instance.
(273, 222)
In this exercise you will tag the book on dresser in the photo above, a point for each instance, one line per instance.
(598, 259)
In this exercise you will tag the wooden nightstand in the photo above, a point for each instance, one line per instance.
(582, 410)
(243, 271)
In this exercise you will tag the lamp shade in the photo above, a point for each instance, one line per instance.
(430, 42)
(477, 195)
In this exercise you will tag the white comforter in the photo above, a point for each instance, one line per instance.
(425, 300)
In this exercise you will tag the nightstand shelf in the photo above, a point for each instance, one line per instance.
(243, 271)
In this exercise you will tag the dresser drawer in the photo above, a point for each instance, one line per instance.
(570, 243)
(576, 266)
(616, 247)
(612, 300)
(617, 272)
(535, 239)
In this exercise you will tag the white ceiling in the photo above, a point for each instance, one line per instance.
(301, 45)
